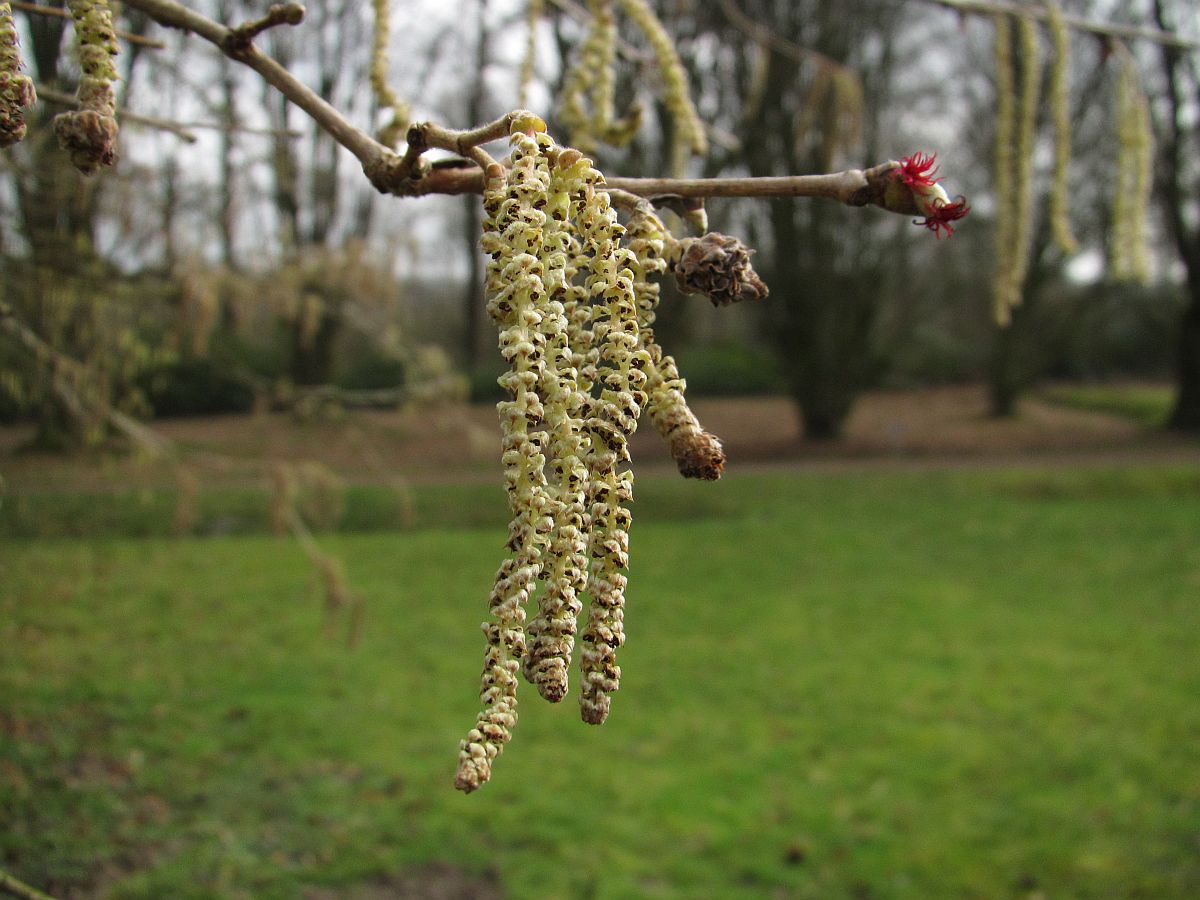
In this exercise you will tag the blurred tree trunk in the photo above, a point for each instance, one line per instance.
(1024, 348)
(1177, 142)
(826, 269)
(307, 188)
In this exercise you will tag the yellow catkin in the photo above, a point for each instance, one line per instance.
(1059, 90)
(587, 104)
(697, 453)
(1143, 185)
(514, 227)
(690, 137)
(552, 632)
(587, 71)
(612, 416)
(1031, 76)
(387, 99)
(604, 85)
(1119, 239)
(1006, 99)
(1130, 258)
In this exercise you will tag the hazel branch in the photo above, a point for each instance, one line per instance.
(409, 175)
(170, 14)
(854, 187)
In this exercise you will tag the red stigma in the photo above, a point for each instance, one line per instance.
(919, 169)
(943, 214)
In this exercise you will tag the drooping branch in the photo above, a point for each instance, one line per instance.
(1104, 29)
(27, 339)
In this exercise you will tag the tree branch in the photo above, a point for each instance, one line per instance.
(410, 176)
(854, 187)
(174, 15)
(1129, 32)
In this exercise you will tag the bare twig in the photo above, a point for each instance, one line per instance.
(279, 14)
(377, 160)
(1105, 29)
(328, 568)
(176, 128)
(854, 187)
(59, 13)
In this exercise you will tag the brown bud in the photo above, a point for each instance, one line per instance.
(90, 137)
(698, 454)
(719, 266)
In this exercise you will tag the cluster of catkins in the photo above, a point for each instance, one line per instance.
(588, 100)
(1018, 99)
(571, 292)
(89, 133)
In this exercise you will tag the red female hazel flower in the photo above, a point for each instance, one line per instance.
(929, 198)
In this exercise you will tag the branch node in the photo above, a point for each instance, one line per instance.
(238, 39)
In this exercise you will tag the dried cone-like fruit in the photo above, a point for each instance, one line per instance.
(16, 90)
(89, 133)
(718, 266)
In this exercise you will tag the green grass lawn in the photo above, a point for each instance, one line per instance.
(914, 686)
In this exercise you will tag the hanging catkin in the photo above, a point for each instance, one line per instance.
(1059, 90)
(1129, 255)
(1006, 102)
(89, 133)
(1014, 166)
(16, 88)
(570, 299)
